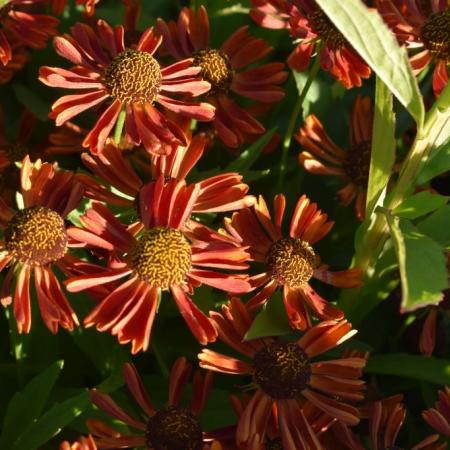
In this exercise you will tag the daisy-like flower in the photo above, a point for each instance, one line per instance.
(219, 193)
(226, 69)
(171, 252)
(20, 23)
(309, 24)
(424, 27)
(172, 427)
(19, 58)
(34, 239)
(130, 80)
(439, 416)
(83, 443)
(285, 374)
(290, 262)
(324, 157)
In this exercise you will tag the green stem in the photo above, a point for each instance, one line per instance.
(119, 126)
(294, 118)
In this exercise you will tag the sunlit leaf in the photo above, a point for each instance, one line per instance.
(420, 204)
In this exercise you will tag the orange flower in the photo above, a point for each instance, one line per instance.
(439, 416)
(133, 79)
(35, 239)
(20, 23)
(285, 374)
(172, 427)
(289, 262)
(308, 23)
(225, 69)
(83, 443)
(168, 251)
(324, 157)
(422, 25)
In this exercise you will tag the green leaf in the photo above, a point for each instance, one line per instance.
(271, 321)
(245, 160)
(422, 368)
(372, 39)
(436, 226)
(31, 101)
(52, 422)
(437, 163)
(420, 204)
(25, 407)
(422, 264)
(3, 3)
(383, 147)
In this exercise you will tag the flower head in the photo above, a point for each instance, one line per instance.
(226, 69)
(324, 157)
(172, 427)
(307, 22)
(167, 251)
(286, 374)
(289, 262)
(35, 239)
(132, 80)
(424, 27)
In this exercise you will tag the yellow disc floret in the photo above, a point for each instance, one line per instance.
(326, 30)
(216, 69)
(436, 35)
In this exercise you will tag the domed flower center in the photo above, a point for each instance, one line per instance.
(291, 261)
(282, 370)
(16, 152)
(4, 10)
(36, 236)
(173, 428)
(326, 30)
(216, 69)
(357, 163)
(436, 34)
(133, 77)
(274, 444)
(162, 257)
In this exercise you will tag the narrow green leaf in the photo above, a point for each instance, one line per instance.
(271, 321)
(372, 39)
(422, 264)
(422, 368)
(436, 226)
(420, 204)
(437, 163)
(245, 160)
(383, 147)
(52, 422)
(26, 406)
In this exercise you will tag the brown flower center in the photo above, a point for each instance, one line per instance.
(326, 30)
(436, 34)
(4, 10)
(357, 163)
(133, 77)
(16, 152)
(173, 428)
(291, 261)
(274, 444)
(36, 236)
(216, 69)
(282, 370)
(162, 257)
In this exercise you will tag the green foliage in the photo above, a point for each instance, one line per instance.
(420, 204)
(437, 226)
(437, 164)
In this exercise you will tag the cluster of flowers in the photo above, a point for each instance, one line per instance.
(300, 402)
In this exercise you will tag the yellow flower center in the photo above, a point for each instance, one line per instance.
(133, 77)
(216, 69)
(162, 257)
(173, 428)
(357, 163)
(36, 236)
(326, 30)
(436, 35)
(282, 370)
(291, 262)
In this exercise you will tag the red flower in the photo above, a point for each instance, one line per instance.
(84, 443)
(307, 22)
(284, 374)
(423, 26)
(219, 193)
(439, 416)
(225, 69)
(18, 60)
(324, 157)
(35, 239)
(20, 23)
(132, 79)
(171, 252)
(290, 262)
(171, 427)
